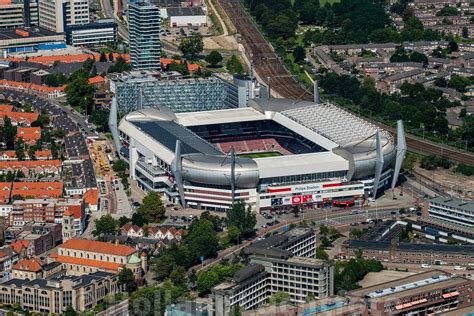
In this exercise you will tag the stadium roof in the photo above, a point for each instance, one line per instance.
(219, 116)
(168, 132)
(332, 122)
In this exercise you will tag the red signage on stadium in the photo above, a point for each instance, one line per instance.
(270, 190)
(296, 199)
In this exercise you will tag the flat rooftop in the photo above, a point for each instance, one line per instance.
(9, 34)
(413, 283)
(454, 203)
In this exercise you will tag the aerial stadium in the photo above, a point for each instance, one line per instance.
(273, 154)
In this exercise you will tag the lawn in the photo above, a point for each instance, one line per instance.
(323, 2)
(261, 155)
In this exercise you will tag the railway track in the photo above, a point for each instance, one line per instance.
(266, 62)
(271, 70)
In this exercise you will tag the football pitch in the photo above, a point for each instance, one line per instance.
(261, 155)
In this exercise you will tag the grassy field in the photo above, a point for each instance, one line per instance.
(323, 2)
(261, 155)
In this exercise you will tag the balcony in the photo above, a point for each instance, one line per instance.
(154, 171)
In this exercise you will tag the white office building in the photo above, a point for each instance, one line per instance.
(92, 34)
(280, 263)
(56, 15)
(452, 210)
(17, 14)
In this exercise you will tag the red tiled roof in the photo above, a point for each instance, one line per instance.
(166, 61)
(49, 60)
(110, 266)
(28, 134)
(6, 108)
(43, 153)
(128, 227)
(96, 79)
(30, 265)
(38, 189)
(31, 86)
(98, 247)
(20, 116)
(91, 197)
(30, 164)
(5, 188)
(18, 245)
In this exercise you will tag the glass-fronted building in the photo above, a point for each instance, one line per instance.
(144, 35)
(179, 94)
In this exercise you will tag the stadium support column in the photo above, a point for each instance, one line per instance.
(316, 92)
(140, 98)
(113, 125)
(401, 151)
(378, 163)
(178, 172)
(232, 173)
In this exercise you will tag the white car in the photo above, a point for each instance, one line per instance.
(425, 266)
(459, 268)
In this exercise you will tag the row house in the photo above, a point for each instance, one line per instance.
(39, 155)
(32, 168)
(157, 232)
(19, 118)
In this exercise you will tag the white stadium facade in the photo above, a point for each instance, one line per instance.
(275, 153)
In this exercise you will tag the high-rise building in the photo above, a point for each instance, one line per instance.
(55, 15)
(144, 35)
(18, 13)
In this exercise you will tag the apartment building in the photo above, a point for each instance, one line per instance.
(279, 263)
(80, 256)
(144, 35)
(386, 251)
(48, 211)
(17, 13)
(37, 190)
(426, 293)
(54, 295)
(56, 15)
(452, 210)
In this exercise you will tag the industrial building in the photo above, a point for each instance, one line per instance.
(93, 34)
(181, 16)
(273, 154)
(144, 35)
(280, 263)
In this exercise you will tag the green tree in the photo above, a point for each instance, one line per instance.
(234, 66)
(103, 57)
(201, 241)
(123, 220)
(214, 58)
(355, 233)
(458, 82)
(299, 54)
(70, 311)
(243, 218)
(120, 66)
(417, 57)
(448, 11)
(9, 133)
(278, 298)
(106, 225)
(400, 55)
(321, 254)
(138, 219)
(192, 45)
(80, 94)
(111, 57)
(178, 276)
(20, 149)
(127, 280)
(233, 235)
(152, 208)
(120, 166)
(32, 153)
